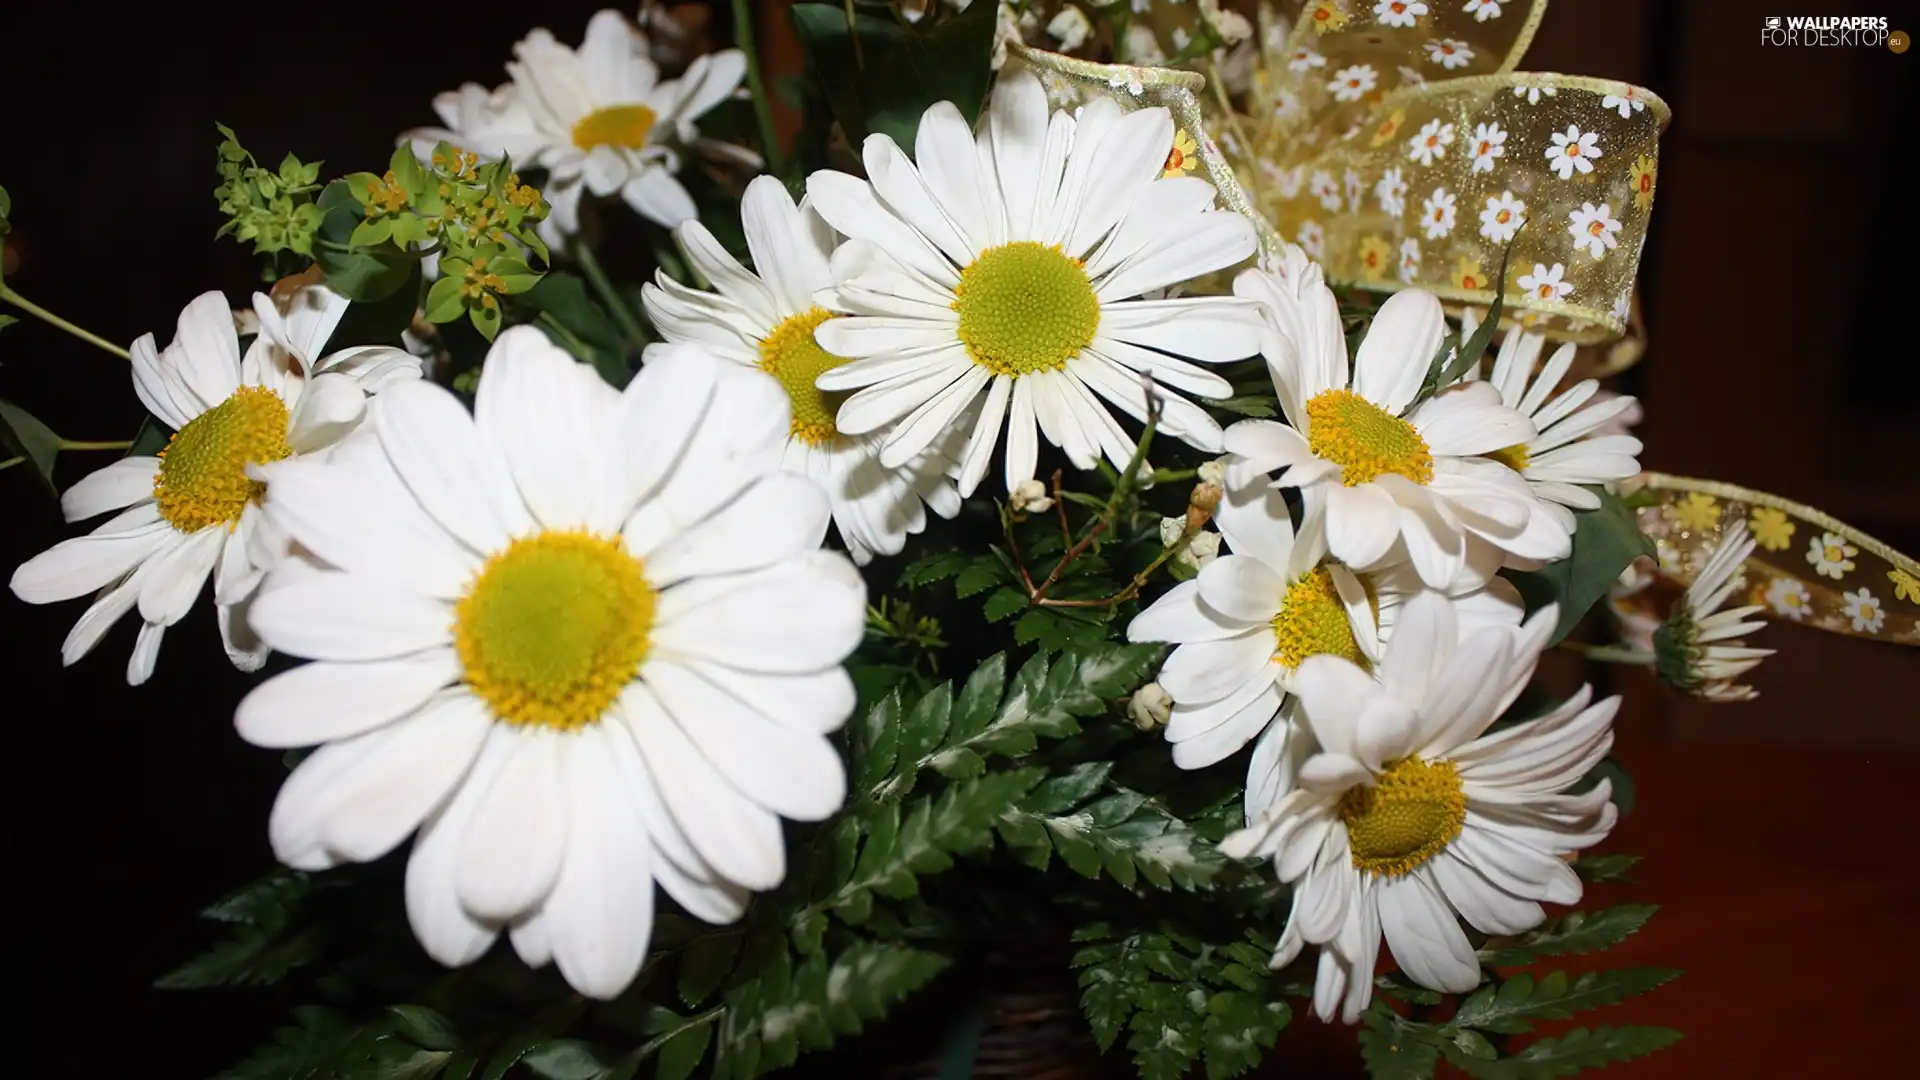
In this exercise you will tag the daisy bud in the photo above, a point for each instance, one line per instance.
(1201, 550)
(1214, 472)
(1202, 503)
(1149, 707)
(1030, 497)
(1070, 28)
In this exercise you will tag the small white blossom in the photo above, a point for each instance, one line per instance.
(1030, 497)
(1149, 707)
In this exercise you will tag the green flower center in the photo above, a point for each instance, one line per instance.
(624, 127)
(1313, 622)
(203, 471)
(554, 627)
(1413, 811)
(1365, 440)
(790, 355)
(1025, 308)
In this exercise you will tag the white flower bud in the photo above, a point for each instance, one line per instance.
(1149, 707)
(1070, 28)
(1214, 472)
(1030, 497)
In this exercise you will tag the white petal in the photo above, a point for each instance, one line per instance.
(737, 838)
(1362, 522)
(510, 856)
(1241, 587)
(118, 485)
(1331, 774)
(321, 702)
(547, 414)
(354, 512)
(1210, 670)
(786, 257)
(206, 350)
(155, 390)
(804, 616)
(178, 576)
(419, 761)
(778, 518)
(445, 930)
(815, 702)
(85, 563)
(1426, 941)
(657, 196)
(1179, 616)
(793, 773)
(600, 913)
(1488, 908)
(434, 446)
(1333, 693)
(330, 408)
(1398, 350)
(334, 616)
(1254, 520)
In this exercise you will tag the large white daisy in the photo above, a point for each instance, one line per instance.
(1395, 480)
(767, 321)
(1573, 445)
(582, 641)
(194, 511)
(990, 280)
(1249, 620)
(598, 118)
(1406, 812)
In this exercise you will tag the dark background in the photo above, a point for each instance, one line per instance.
(1779, 285)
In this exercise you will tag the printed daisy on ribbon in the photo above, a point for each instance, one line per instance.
(996, 278)
(194, 511)
(767, 321)
(580, 642)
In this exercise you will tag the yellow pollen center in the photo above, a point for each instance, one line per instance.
(790, 355)
(623, 127)
(1313, 622)
(1834, 554)
(1413, 811)
(553, 628)
(1365, 440)
(1503, 216)
(1025, 308)
(1513, 457)
(203, 471)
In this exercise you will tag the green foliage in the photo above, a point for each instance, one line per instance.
(579, 324)
(1095, 825)
(270, 936)
(1605, 540)
(1598, 868)
(1394, 1048)
(275, 210)
(1513, 1006)
(1576, 932)
(880, 74)
(1180, 1000)
(23, 436)
(1576, 1050)
(785, 1009)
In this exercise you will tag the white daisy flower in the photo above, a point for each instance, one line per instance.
(1304, 59)
(1286, 182)
(194, 511)
(1313, 240)
(1544, 282)
(1405, 814)
(1393, 480)
(1864, 611)
(1352, 83)
(1573, 151)
(1391, 190)
(1482, 10)
(1449, 53)
(1790, 597)
(1324, 187)
(1502, 218)
(1830, 555)
(1437, 213)
(1626, 104)
(1489, 142)
(1409, 259)
(1594, 229)
(1570, 447)
(766, 321)
(1399, 12)
(1432, 142)
(1245, 625)
(1356, 188)
(580, 642)
(1070, 28)
(1696, 650)
(1534, 92)
(600, 120)
(991, 282)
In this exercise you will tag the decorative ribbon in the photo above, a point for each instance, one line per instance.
(1806, 567)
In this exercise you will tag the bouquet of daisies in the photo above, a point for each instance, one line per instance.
(708, 585)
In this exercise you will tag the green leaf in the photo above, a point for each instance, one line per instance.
(270, 937)
(379, 322)
(298, 1053)
(982, 575)
(1624, 791)
(1238, 1027)
(1605, 540)
(150, 439)
(21, 435)
(1576, 932)
(357, 275)
(681, 1054)
(1574, 1051)
(1253, 405)
(569, 301)
(424, 1027)
(371, 233)
(564, 1059)
(1123, 834)
(445, 302)
(1599, 868)
(880, 75)
(770, 1017)
(937, 566)
(705, 964)
(1395, 1048)
(6, 205)
(1004, 602)
(1511, 1007)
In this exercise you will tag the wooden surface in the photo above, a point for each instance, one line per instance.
(1789, 897)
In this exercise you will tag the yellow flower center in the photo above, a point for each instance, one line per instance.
(1313, 622)
(1503, 216)
(1025, 308)
(790, 355)
(1834, 554)
(1513, 457)
(1413, 811)
(1365, 440)
(554, 627)
(624, 127)
(203, 471)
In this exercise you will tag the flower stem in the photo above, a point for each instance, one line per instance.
(7, 295)
(617, 306)
(1609, 654)
(572, 344)
(11, 462)
(762, 108)
(70, 444)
